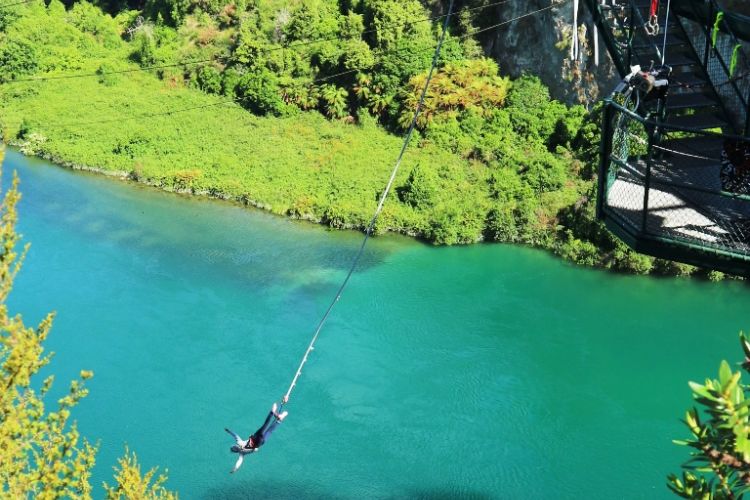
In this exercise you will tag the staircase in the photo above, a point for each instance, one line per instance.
(660, 181)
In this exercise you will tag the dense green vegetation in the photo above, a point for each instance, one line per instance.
(719, 467)
(41, 453)
(297, 107)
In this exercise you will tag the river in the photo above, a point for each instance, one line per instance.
(489, 371)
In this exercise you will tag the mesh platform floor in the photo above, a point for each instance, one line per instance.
(679, 205)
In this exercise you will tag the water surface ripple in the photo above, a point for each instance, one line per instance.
(477, 372)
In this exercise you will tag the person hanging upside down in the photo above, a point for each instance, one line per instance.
(258, 439)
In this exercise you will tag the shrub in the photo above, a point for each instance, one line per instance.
(719, 467)
(420, 188)
(578, 251)
(542, 171)
(144, 52)
(91, 20)
(453, 226)
(209, 79)
(18, 57)
(106, 76)
(534, 114)
(471, 85)
(671, 268)
(630, 261)
(260, 93)
(334, 101)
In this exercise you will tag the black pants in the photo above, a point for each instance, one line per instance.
(260, 436)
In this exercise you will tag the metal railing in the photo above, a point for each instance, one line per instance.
(666, 185)
(724, 60)
(713, 40)
(616, 30)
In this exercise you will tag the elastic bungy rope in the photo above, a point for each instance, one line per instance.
(652, 25)
(371, 226)
(654, 9)
(574, 43)
(715, 32)
(666, 31)
(596, 38)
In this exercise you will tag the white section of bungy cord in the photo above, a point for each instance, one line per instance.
(574, 44)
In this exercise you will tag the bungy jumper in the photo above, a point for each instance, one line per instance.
(277, 413)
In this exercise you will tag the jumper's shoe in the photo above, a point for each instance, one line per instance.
(282, 416)
(274, 408)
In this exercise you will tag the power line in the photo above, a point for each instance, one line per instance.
(225, 59)
(5, 6)
(488, 28)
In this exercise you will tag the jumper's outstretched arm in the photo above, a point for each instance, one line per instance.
(237, 439)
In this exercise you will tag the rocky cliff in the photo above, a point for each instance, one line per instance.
(540, 44)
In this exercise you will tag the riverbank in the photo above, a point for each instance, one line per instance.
(304, 166)
(493, 159)
(243, 200)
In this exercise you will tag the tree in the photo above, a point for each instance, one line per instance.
(334, 101)
(720, 437)
(420, 188)
(390, 20)
(132, 484)
(260, 93)
(17, 58)
(470, 85)
(41, 451)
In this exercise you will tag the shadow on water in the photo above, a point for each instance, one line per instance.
(268, 490)
(275, 490)
(442, 494)
(180, 234)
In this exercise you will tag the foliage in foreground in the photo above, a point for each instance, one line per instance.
(41, 451)
(131, 483)
(720, 437)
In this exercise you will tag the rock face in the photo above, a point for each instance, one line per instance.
(540, 44)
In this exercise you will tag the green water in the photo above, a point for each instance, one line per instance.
(479, 372)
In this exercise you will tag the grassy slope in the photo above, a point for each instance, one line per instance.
(304, 165)
(306, 161)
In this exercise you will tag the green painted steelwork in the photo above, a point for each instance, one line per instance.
(730, 257)
(713, 232)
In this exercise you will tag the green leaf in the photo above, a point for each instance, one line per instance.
(725, 374)
(745, 344)
(702, 391)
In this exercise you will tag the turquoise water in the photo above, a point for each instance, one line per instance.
(479, 372)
